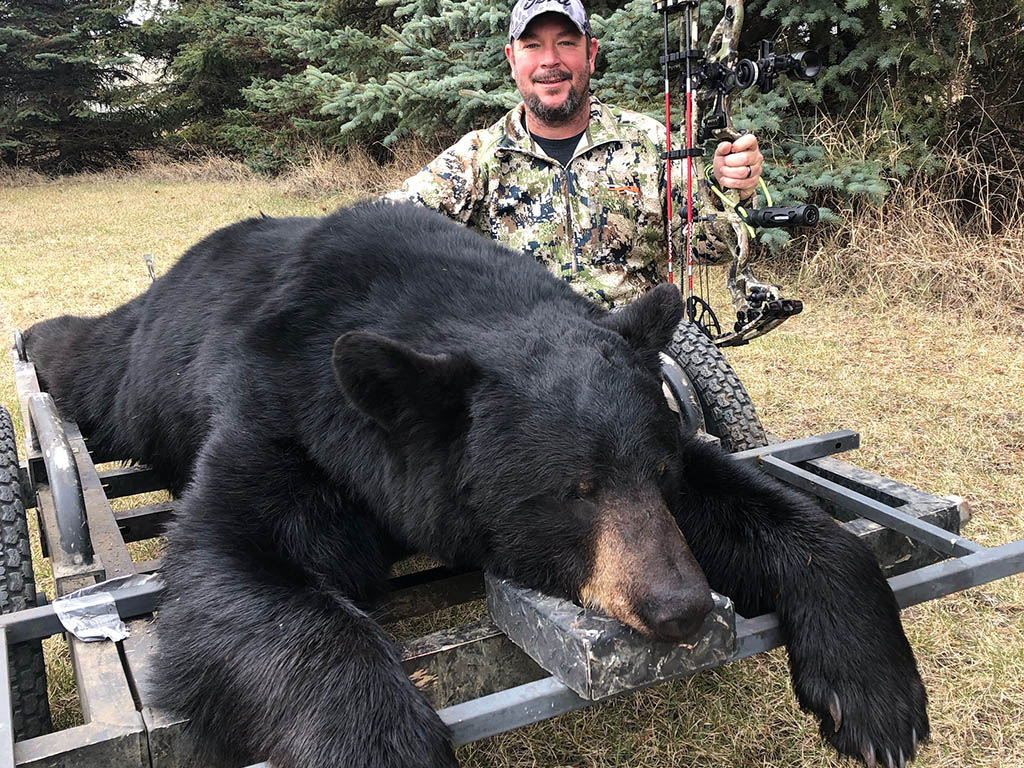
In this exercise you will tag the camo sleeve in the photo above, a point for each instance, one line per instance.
(452, 183)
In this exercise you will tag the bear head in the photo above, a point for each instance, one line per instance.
(556, 452)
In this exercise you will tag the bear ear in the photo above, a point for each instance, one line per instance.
(391, 382)
(647, 324)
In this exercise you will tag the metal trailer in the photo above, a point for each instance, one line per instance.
(481, 682)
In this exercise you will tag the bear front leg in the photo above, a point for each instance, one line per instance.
(261, 644)
(295, 677)
(772, 549)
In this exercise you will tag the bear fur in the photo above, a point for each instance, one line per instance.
(327, 396)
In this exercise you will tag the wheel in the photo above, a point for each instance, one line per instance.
(17, 592)
(728, 412)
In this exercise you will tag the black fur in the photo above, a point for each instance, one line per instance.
(327, 396)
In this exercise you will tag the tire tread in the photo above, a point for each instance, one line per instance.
(729, 413)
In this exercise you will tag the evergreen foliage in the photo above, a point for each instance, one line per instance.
(210, 55)
(904, 77)
(908, 82)
(69, 98)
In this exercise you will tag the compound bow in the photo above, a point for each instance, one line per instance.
(707, 78)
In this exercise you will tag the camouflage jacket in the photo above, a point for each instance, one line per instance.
(598, 223)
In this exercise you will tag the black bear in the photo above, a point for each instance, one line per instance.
(329, 395)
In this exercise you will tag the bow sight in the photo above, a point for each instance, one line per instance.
(707, 78)
(803, 65)
(721, 79)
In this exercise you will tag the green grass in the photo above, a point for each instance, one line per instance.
(937, 397)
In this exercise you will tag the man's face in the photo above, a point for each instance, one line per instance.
(552, 63)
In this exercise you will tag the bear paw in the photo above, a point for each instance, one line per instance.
(877, 714)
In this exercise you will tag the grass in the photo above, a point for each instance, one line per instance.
(953, 238)
(934, 389)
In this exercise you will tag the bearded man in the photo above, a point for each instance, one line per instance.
(576, 184)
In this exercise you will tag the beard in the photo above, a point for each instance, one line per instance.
(561, 114)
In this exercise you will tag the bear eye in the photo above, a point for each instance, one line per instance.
(585, 488)
(661, 468)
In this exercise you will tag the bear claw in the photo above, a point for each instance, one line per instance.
(835, 710)
(868, 753)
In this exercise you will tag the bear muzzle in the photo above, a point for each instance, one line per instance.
(643, 572)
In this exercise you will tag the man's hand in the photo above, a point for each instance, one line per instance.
(737, 164)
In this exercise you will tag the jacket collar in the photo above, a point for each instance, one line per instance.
(602, 128)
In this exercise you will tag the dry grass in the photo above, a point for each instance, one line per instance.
(352, 174)
(19, 177)
(914, 247)
(326, 175)
(953, 239)
(936, 395)
(150, 166)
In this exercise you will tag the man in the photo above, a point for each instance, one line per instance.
(562, 177)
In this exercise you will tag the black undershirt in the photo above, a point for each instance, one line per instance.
(559, 149)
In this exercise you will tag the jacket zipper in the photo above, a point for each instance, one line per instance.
(568, 224)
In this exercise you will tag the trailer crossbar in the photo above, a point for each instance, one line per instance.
(802, 449)
(937, 538)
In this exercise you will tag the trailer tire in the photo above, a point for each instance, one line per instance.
(31, 708)
(729, 413)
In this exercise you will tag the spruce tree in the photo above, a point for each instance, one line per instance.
(68, 98)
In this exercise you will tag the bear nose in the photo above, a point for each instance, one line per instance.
(679, 618)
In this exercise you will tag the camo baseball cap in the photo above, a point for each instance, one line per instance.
(526, 11)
